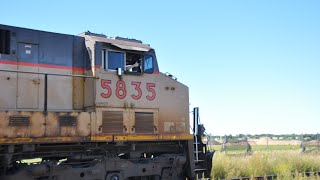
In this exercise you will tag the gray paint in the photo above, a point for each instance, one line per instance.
(28, 53)
(79, 50)
(54, 48)
(58, 49)
(27, 35)
(98, 55)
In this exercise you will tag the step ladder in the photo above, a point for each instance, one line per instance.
(199, 148)
(200, 162)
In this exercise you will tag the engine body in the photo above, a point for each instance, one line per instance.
(85, 108)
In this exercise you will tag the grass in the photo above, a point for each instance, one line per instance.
(287, 164)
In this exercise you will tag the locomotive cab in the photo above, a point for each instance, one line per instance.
(131, 95)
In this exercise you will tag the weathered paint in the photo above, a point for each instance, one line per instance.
(8, 87)
(77, 92)
(41, 126)
(43, 140)
(153, 137)
(84, 124)
(171, 99)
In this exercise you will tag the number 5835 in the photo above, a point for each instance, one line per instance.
(121, 91)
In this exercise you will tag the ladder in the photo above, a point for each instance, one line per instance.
(199, 148)
(199, 158)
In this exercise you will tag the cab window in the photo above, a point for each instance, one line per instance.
(115, 60)
(148, 64)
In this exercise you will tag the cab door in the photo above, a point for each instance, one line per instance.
(28, 84)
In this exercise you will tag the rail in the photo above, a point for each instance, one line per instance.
(44, 73)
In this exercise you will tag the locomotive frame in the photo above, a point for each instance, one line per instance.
(71, 101)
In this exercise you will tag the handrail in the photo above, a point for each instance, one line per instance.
(54, 74)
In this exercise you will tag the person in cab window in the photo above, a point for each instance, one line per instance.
(133, 63)
(133, 67)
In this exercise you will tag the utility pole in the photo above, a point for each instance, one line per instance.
(318, 141)
(247, 147)
(267, 142)
(302, 145)
(224, 144)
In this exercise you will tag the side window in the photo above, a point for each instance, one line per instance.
(4, 41)
(115, 60)
(148, 64)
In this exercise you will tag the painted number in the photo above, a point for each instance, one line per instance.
(150, 87)
(121, 91)
(104, 85)
(137, 88)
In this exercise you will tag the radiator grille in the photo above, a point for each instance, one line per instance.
(68, 120)
(19, 120)
(112, 122)
(144, 122)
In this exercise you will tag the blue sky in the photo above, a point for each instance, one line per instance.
(251, 66)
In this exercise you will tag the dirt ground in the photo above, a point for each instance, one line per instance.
(266, 140)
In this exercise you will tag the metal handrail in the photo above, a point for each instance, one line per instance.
(44, 73)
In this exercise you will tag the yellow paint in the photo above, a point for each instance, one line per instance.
(120, 138)
(154, 137)
(176, 137)
(151, 137)
(102, 138)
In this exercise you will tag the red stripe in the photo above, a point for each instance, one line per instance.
(42, 65)
(156, 72)
(7, 62)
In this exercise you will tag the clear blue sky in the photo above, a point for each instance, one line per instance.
(251, 66)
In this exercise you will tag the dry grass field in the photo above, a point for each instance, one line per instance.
(287, 164)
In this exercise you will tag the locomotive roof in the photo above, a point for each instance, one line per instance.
(122, 43)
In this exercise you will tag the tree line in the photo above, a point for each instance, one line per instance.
(306, 137)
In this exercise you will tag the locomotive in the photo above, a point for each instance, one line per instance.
(90, 106)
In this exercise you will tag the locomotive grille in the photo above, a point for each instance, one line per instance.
(68, 120)
(112, 122)
(19, 121)
(144, 122)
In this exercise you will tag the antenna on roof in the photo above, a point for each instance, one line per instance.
(95, 34)
(128, 39)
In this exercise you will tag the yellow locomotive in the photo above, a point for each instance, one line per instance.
(92, 107)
